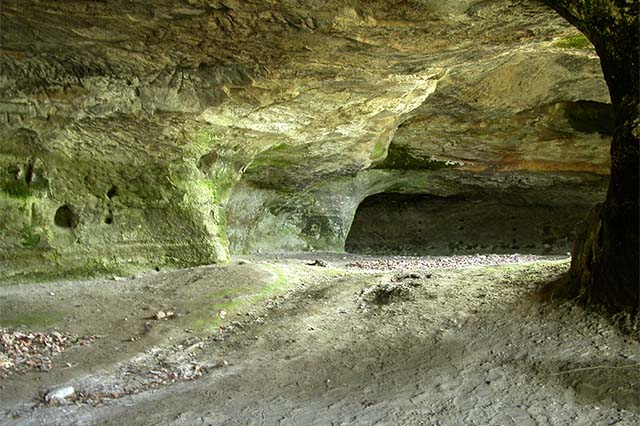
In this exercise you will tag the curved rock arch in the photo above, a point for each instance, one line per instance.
(189, 106)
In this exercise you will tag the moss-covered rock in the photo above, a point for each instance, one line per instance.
(578, 41)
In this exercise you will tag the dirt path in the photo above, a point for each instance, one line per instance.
(275, 341)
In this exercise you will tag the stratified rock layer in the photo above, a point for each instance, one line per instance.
(167, 133)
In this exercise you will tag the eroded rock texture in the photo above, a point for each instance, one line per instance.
(479, 220)
(151, 133)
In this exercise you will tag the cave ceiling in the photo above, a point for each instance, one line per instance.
(177, 103)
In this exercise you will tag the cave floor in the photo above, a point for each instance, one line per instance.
(348, 340)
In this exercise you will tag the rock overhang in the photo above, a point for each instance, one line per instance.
(285, 107)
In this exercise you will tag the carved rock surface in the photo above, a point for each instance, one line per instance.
(152, 133)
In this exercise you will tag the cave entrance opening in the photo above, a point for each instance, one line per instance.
(478, 222)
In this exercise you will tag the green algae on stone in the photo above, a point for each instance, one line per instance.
(380, 151)
(31, 239)
(574, 42)
(164, 212)
(16, 189)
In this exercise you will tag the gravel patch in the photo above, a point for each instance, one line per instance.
(447, 262)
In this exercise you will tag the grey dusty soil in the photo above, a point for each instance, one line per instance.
(324, 339)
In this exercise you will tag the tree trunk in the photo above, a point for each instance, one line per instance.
(605, 269)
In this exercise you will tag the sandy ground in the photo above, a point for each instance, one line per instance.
(348, 341)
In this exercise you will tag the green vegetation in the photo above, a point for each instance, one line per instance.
(574, 42)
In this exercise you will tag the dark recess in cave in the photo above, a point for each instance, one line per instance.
(113, 191)
(207, 161)
(591, 117)
(66, 217)
(484, 222)
(29, 174)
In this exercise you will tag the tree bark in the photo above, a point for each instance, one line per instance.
(606, 260)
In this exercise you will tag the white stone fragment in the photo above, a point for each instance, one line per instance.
(60, 394)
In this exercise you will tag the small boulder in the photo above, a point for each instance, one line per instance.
(59, 395)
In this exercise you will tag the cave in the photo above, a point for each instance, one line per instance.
(359, 212)
(484, 222)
